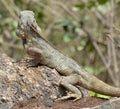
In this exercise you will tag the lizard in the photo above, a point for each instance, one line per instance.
(37, 47)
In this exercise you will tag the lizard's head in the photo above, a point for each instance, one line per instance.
(27, 26)
(26, 18)
(26, 21)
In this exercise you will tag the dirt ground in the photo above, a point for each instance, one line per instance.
(67, 104)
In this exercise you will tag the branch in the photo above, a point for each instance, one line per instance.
(9, 9)
(101, 56)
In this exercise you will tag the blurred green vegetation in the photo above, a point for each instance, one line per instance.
(85, 30)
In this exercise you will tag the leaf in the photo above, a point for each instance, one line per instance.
(99, 95)
(103, 96)
(92, 93)
(67, 37)
(80, 6)
(104, 8)
(118, 2)
(15, 23)
(101, 2)
(82, 45)
(89, 68)
(63, 22)
(91, 4)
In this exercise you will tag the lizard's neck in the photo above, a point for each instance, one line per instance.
(43, 44)
(38, 41)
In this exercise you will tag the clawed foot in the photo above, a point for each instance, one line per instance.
(70, 95)
(27, 63)
(30, 63)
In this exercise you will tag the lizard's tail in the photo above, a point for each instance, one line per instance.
(99, 86)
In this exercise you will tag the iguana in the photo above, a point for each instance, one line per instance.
(42, 52)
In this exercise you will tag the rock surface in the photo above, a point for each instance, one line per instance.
(19, 83)
(23, 87)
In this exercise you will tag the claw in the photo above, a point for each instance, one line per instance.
(26, 63)
(70, 95)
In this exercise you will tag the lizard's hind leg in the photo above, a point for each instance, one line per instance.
(68, 82)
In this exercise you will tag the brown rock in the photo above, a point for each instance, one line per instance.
(37, 88)
(19, 83)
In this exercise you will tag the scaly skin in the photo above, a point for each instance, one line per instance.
(43, 53)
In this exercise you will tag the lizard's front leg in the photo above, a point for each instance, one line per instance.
(68, 82)
(36, 54)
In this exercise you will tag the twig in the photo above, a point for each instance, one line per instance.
(9, 9)
(114, 56)
(94, 44)
(117, 29)
(10, 45)
(109, 54)
(100, 17)
(47, 7)
(68, 11)
(101, 56)
(49, 28)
